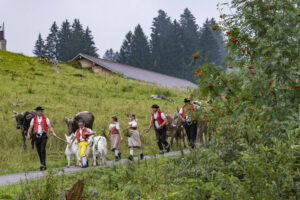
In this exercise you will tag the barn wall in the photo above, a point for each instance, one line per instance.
(86, 63)
(99, 69)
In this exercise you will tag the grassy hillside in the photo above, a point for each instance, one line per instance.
(65, 91)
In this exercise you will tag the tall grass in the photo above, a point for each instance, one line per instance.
(27, 81)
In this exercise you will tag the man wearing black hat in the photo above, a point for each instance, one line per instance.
(187, 115)
(159, 120)
(39, 126)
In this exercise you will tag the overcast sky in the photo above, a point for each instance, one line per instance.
(109, 20)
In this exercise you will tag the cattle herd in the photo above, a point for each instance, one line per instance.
(97, 145)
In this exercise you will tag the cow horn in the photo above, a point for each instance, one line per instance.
(65, 118)
(14, 112)
(13, 117)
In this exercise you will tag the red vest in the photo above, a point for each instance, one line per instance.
(84, 136)
(43, 124)
(191, 109)
(159, 119)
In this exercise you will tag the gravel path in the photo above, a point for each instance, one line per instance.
(7, 179)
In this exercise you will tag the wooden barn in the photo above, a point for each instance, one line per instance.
(108, 67)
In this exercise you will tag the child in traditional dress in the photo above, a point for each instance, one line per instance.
(116, 137)
(134, 141)
(82, 134)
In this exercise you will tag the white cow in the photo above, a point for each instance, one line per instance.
(73, 151)
(99, 150)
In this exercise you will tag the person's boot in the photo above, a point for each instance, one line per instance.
(117, 158)
(168, 148)
(130, 157)
(119, 154)
(142, 156)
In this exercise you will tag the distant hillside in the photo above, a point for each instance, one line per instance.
(64, 91)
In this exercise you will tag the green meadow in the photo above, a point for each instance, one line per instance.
(64, 91)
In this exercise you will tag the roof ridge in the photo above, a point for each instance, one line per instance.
(142, 74)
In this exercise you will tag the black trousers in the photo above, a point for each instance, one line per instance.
(191, 132)
(161, 136)
(40, 143)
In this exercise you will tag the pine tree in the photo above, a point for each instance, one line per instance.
(39, 48)
(176, 64)
(209, 45)
(76, 42)
(126, 49)
(140, 54)
(64, 36)
(89, 44)
(161, 27)
(219, 36)
(191, 36)
(52, 42)
(110, 55)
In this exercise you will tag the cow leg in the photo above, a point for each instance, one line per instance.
(183, 137)
(32, 141)
(24, 141)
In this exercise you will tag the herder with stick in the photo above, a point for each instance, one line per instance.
(159, 121)
(39, 126)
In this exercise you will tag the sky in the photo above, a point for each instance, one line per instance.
(109, 20)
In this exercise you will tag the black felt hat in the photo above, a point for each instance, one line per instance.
(186, 100)
(154, 106)
(39, 108)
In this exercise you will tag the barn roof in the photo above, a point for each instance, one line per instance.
(138, 73)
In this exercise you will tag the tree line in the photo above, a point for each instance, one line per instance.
(66, 42)
(171, 45)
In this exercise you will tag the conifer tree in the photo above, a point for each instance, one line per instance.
(64, 36)
(140, 51)
(52, 42)
(209, 45)
(39, 47)
(161, 27)
(191, 36)
(110, 55)
(126, 49)
(89, 44)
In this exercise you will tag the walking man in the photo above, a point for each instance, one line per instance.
(39, 127)
(187, 115)
(159, 121)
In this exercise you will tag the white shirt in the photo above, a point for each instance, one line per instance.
(40, 129)
(163, 116)
(196, 107)
(80, 132)
(117, 125)
(133, 123)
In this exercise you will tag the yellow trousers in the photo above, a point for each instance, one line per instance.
(82, 148)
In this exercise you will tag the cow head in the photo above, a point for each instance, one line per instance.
(69, 122)
(19, 116)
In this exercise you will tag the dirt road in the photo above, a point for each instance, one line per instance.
(7, 179)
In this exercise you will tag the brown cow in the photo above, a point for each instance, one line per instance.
(86, 116)
(23, 122)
